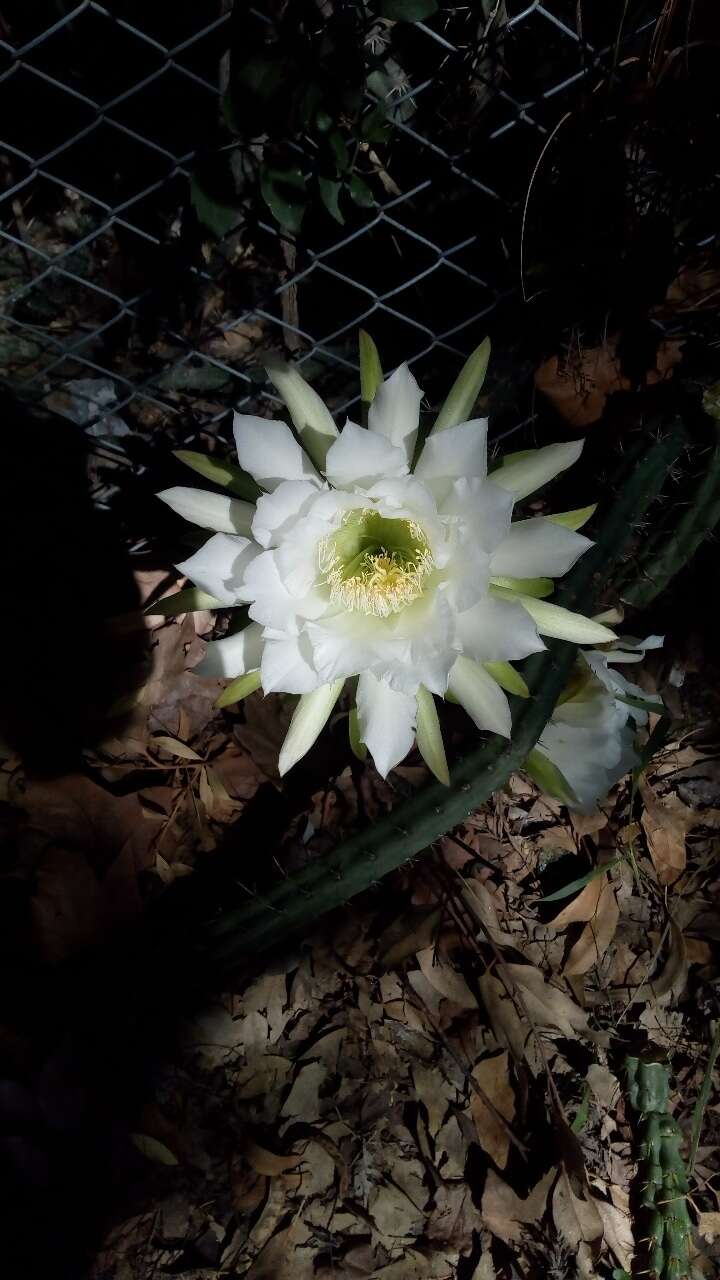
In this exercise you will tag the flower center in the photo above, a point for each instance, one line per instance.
(375, 565)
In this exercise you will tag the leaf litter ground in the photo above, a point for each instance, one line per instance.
(431, 1084)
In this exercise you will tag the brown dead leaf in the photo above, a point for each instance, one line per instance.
(597, 934)
(578, 387)
(666, 823)
(576, 1217)
(493, 1077)
(505, 1214)
(617, 1226)
(583, 907)
(267, 1162)
(444, 979)
(709, 1225)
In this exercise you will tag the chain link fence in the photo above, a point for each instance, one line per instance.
(106, 317)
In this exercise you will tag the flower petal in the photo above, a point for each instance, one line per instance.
(481, 697)
(269, 451)
(309, 718)
(395, 410)
(346, 643)
(448, 455)
(552, 620)
(387, 721)
(233, 655)
(465, 389)
(537, 548)
(276, 513)
(270, 601)
(527, 473)
(498, 631)
(286, 666)
(482, 508)
(210, 510)
(311, 416)
(358, 458)
(219, 567)
(429, 736)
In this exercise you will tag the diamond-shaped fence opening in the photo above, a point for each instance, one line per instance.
(106, 275)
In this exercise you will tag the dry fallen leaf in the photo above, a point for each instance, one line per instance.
(666, 823)
(493, 1077)
(579, 1223)
(597, 934)
(505, 1213)
(579, 387)
(153, 1149)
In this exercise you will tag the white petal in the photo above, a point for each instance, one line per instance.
(276, 513)
(403, 496)
(220, 566)
(395, 410)
(537, 548)
(287, 666)
(552, 620)
(210, 510)
(311, 417)
(483, 509)
(448, 455)
(498, 631)
(269, 451)
(358, 458)
(233, 655)
(346, 643)
(481, 697)
(297, 556)
(270, 601)
(387, 721)
(527, 474)
(309, 718)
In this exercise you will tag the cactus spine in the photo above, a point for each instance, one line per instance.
(663, 1218)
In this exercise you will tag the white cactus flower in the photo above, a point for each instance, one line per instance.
(409, 580)
(590, 737)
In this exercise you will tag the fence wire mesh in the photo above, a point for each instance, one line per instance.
(108, 319)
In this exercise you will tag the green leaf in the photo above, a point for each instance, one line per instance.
(285, 193)
(225, 474)
(360, 192)
(357, 746)
(504, 674)
(239, 688)
(465, 390)
(330, 196)
(340, 151)
(538, 588)
(569, 890)
(215, 210)
(574, 519)
(429, 736)
(371, 374)
(189, 600)
(375, 126)
(408, 10)
(548, 777)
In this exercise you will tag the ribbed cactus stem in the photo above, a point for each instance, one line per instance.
(664, 1227)
(674, 546)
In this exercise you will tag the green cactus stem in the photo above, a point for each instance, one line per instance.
(293, 906)
(663, 1225)
(675, 545)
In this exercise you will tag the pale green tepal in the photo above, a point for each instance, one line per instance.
(362, 560)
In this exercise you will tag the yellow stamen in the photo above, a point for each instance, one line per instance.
(377, 579)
